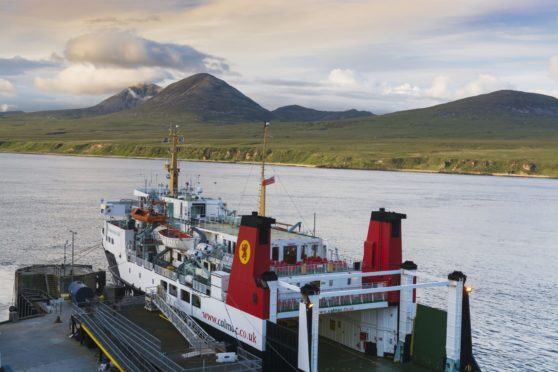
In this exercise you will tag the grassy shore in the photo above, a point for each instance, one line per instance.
(382, 143)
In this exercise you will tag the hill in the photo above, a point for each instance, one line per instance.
(505, 132)
(299, 113)
(124, 100)
(208, 99)
(498, 104)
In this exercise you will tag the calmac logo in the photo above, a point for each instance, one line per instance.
(244, 252)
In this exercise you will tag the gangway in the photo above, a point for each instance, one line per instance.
(200, 341)
(127, 345)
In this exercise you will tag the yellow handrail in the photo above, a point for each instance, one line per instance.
(102, 348)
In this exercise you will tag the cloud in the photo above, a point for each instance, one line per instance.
(6, 88)
(553, 66)
(111, 20)
(483, 84)
(89, 79)
(18, 65)
(4, 107)
(443, 88)
(342, 78)
(126, 49)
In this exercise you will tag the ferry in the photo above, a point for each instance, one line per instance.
(272, 289)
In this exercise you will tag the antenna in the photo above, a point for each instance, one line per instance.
(172, 166)
(262, 176)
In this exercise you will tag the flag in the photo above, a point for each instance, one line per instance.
(268, 181)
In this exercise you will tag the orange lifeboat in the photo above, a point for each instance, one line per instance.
(148, 216)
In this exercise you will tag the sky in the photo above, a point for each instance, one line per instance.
(375, 55)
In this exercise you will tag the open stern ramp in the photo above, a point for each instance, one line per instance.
(299, 297)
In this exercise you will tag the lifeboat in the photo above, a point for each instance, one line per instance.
(174, 238)
(148, 216)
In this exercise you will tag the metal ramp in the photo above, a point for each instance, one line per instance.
(201, 343)
(127, 344)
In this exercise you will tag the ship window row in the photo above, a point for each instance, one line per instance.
(184, 295)
(110, 240)
(290, 252)
(231, 245)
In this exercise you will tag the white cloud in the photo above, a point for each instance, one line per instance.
(553, 66)
(341, 77)
(483, 84)
(126, 49)
(88, 79)
(7, 107)
(443, 88)
(6, 88)
(440, 87)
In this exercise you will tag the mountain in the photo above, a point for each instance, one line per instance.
(127, 99)
(500, 104)
(11, 113)
(208, 98)
(299, 113)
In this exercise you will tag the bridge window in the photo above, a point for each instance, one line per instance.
(196, 301)
(303, 253)
(289, 254)
(198, 211)
(185, 295)
(314, 250)
(164, 285)
(275, 253)
(172, 290)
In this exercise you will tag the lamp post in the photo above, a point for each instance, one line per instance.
(73, 239)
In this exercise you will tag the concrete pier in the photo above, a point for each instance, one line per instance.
(40, 344)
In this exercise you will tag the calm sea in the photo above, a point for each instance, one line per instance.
(501, 232)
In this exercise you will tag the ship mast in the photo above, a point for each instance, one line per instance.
(262, 176)
(172, 167)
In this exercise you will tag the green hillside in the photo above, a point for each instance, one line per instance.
(503, 133)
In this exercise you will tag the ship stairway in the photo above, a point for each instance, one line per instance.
(28, 303)
(200, 341)
(51, 285)
(133, 348)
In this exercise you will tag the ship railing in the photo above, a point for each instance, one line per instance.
(311, 268)
(200, 286)
(145, 263)
(182, 280)
(245, 362)
(165, 272)
(287, 302)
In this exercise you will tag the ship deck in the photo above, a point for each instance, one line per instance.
(229, 229)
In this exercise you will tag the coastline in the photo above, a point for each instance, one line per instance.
(536, 176)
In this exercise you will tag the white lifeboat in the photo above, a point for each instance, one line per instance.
(176, 239)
